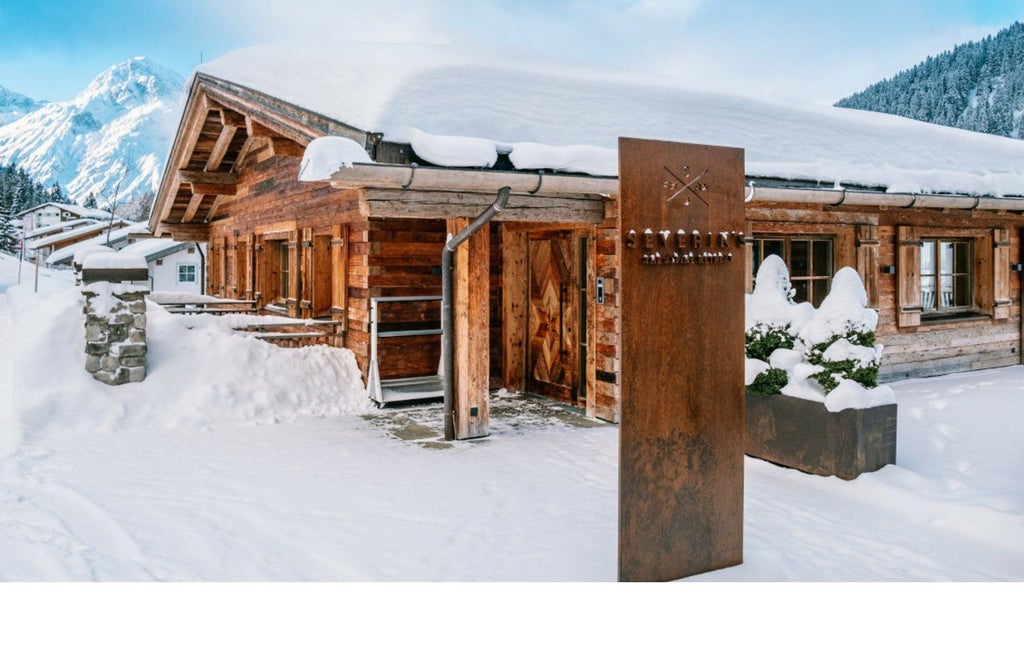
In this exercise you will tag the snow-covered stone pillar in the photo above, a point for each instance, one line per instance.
(115, 318)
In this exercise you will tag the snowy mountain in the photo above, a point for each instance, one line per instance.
(127, 116)
(978, 86)
(14, 105)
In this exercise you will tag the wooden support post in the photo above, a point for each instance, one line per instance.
(513, 323)
(472, 324)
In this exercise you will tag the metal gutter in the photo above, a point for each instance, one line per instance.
(436, 178)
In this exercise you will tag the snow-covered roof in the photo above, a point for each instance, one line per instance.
(105, 260)
(66, 254)
(154, 248)
(74, 233)
(49, 229)
(550, 117)
(76, 210)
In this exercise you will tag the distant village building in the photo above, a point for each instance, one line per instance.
(46, 240)
(116, 240)
(49, 214)
(930, 217)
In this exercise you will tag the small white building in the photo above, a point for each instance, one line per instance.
(173, 266)
(44, 241)
(49, 214)
(117, 240)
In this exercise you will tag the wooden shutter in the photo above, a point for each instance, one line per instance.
(908, 280)
(1001, 301)
(867, 261)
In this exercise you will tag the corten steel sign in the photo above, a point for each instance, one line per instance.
(681, 436)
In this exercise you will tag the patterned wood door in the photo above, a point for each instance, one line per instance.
(553, 348)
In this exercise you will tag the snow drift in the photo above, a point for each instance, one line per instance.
(197, 377)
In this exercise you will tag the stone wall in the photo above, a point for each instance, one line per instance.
(115, 332)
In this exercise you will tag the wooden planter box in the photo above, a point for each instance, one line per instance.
(804, 435)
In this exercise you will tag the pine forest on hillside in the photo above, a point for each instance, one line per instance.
(978, 86)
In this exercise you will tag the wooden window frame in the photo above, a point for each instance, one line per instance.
(787, 240)
(990, 274)
(195, 275)
(933, 307)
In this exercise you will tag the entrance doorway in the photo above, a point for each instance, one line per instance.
(557, 320)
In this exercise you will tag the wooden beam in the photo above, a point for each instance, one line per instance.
(217, 202)
(205, 183)
(192, 130)
(257, 130)
(193, 207)
(186, 232)
(204, 177)
(220, 148)
(231, 118)
(286, 147)
(173, 188)
(808, 216)
(213, 189)
(400, 204)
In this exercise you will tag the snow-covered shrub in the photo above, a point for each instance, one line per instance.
(827, 355)
(763, 339)
(840, 338)
(769, 381)
(772, 323)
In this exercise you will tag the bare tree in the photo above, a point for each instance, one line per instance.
(113, 195)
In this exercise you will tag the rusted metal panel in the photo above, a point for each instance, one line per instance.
(681, 432)
(805, 435)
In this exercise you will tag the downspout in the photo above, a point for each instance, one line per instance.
(202, 268)
(447, 301)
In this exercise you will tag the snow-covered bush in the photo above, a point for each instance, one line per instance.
(840, 338)
(772, 324)
(798, 351)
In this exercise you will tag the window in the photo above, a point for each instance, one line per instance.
(810, 263)
(186, 273)
(946, 284)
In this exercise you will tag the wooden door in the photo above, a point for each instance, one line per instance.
(553, 347)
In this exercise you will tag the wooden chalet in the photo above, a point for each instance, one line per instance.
(536, 295)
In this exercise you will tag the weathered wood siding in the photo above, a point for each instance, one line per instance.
(342, 255)
(603, 402)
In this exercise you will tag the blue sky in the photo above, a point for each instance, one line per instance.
(786, 49)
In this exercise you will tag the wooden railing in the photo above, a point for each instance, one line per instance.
(297, 334)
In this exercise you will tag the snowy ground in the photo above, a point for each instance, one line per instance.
(237, 460)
